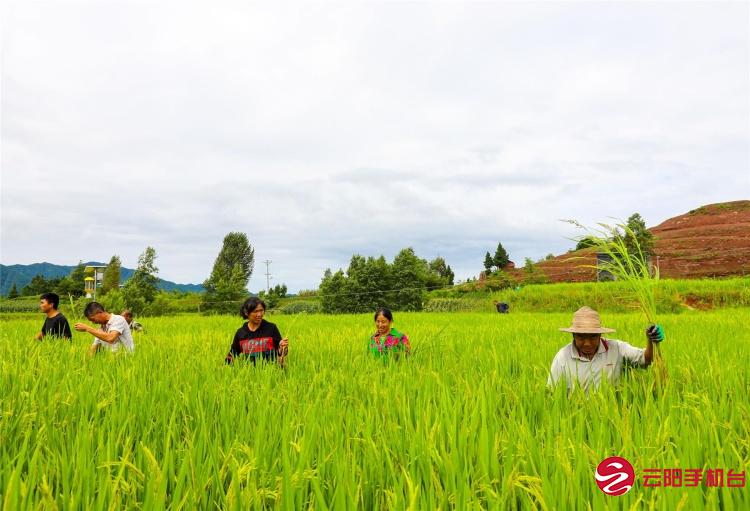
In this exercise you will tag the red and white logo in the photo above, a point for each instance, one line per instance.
(615, 476)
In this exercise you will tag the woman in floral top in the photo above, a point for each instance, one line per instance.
(387, 339)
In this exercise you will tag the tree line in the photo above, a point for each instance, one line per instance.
(70, 285)
(370, 282)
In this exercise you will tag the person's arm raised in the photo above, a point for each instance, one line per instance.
(108, 337)
(654, 334)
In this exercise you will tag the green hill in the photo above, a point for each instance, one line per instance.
(21, 274)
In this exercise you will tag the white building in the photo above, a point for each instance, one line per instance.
(93, 280)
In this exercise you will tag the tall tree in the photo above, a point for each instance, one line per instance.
(39, 285)
(450, 276)
(13, 293)
(488, 263)
(281, 290)
(408, 277)
(140, 289)
(439, 267)
(74, 284)
(227, 284)
(356, 289)
(376, 282)
(501, 258)
(643, 237)
(333, 292)
(111, 279)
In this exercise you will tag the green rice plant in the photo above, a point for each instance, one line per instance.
(466, 422)
(628, 263)
(672, 296)
(458, 305)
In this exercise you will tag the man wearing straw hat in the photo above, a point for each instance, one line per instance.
(590, 357)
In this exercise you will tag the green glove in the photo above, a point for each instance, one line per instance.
(655, 333)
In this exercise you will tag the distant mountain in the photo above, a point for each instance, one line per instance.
(21, 274)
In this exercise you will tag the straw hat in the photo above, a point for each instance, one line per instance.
(586, 321)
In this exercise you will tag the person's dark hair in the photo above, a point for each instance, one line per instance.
(93, 308)
(250, 305)
(51, 298)
(387, 314)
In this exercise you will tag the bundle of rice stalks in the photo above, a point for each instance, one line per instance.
(627, 261)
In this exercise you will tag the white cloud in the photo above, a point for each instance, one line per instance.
(327, 129)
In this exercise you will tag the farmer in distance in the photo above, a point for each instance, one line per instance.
(257, 338)
(132, 323)
(589, 357)
(113, 333)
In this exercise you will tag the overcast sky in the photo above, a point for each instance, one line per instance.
(330, 129)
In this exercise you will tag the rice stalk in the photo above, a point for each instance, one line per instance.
(628, 263)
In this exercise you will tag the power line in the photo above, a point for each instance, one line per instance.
(365, 293)
(268, 275)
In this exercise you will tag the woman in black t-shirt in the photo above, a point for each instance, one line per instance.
(257, 338)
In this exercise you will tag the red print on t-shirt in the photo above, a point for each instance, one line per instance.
(257, 345)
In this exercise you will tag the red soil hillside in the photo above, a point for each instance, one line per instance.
(711, 241)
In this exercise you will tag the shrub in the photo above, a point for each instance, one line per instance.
(300, 306)
(114, 301)
(161, 306)
(19, 305)
(456, 305)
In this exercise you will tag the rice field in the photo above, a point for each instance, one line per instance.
(466, 423)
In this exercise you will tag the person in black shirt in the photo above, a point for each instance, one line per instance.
(502, 307)
(257, 338)
(55, 325)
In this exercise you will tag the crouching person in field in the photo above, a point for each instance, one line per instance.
(589, 358)
(257, 338)
(113, 333)
(132, 323)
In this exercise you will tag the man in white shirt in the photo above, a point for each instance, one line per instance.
(589, 358)
(114, 333)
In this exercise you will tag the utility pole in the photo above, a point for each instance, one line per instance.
(268, 276)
